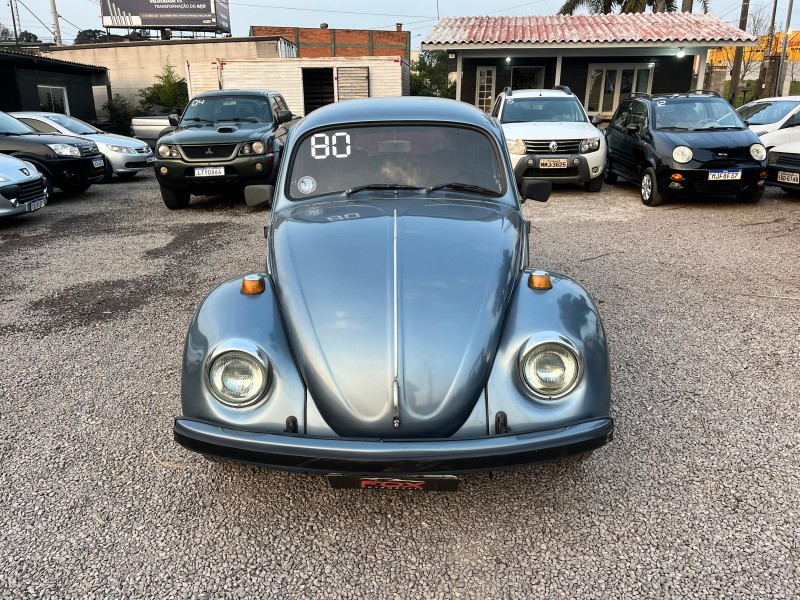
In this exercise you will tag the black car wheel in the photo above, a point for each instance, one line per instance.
(48, 183)
(109, 173)
(750, 198)
(594, 185)
(174, 200)
(608, 174)
(649, 189)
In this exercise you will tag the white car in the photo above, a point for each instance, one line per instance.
(124, 156)
(550, 136)
(774, 120)
(783, 167)
(22, 188)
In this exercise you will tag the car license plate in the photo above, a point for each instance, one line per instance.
(97, 163)
(724, 175)
(151, 159)
(36, 204)
(209, 171)
(425, 483)
(785, 177)
(553, 163)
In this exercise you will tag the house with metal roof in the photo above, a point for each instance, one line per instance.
(601, 58)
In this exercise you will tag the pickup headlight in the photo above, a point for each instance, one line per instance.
(758, 152)
(120, 149)
(590, 145)
(551, 370)
(237, 378)
(252, 148)
(516, 147)
(65, 149)
(682, 154)
(165, 151)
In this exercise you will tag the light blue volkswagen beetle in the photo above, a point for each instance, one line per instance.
(398, 336)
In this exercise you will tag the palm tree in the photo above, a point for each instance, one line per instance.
(604, 7)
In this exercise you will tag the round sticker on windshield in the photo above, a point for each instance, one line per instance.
(307, 185)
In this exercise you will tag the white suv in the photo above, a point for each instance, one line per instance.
(550, 136)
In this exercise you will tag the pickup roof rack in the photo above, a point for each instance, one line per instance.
(563, 88)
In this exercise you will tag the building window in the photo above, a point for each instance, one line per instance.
(484, 88)
(53, 99)
(608, 84)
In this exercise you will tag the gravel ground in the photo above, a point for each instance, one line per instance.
(697, 497)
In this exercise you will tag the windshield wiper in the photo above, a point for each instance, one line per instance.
(467, 187)
(199, 120)
(673, 128)
(719, 128)
(248, 119)
(381, 186)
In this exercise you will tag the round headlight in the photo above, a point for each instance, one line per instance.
(237, 378)
(246, 149)
(258, 148)
(551, 370)
(758, 152)
(163, 151)
(682, 154)
(516, 146)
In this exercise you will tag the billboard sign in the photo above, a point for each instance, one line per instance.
(207, 15)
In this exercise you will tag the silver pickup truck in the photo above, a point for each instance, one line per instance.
(149, 129)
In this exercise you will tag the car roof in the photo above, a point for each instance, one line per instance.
(775, 99)
(248, 92)
(402, 108)
(538, 93)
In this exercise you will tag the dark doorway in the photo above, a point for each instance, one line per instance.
(317, 88)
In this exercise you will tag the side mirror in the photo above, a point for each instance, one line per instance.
(536, 189)
(174, 119)
(633, 129)
(284, 116)
(259, 195)
(596, 120)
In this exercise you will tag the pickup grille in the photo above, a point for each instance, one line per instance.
(543, 146)
(209, 151)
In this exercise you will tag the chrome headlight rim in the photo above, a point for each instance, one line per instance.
(538, 343)
(682, 154)
(249, 351)
(758, 152)
(589, 145)
(167, 151)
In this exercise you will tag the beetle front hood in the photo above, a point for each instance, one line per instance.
(371, 296)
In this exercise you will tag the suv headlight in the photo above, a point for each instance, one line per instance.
(516, 146)
(121, 149)
(682, 154)
(165, 151)
(252, 148)
(65, 149)
(758, 152)
(237, 378)
(551, 370)
(590, 145)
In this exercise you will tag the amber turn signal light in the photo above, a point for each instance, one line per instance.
(676, 177)
(253, 284)
(539, 280)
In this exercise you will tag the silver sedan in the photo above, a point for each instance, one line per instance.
(125, 156)
(22, 188)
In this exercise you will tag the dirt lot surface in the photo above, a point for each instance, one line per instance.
(697, 497)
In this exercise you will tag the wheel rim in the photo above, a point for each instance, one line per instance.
(647, 186)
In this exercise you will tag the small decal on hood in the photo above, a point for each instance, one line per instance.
(306, 185)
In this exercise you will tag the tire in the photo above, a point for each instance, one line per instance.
(750, 198)
(648, 189)
(127, 176)
(173, 199)
(76, 188)
(594, 185)
(608, 175)
(48, 184)
(108, 174)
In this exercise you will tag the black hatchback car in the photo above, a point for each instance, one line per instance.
(685, 145)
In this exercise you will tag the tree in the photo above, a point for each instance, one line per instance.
(430, 75)
(6, 34)
(758, 25)
(168, 90)
(96, 36)
(28, 37)
(605, 7)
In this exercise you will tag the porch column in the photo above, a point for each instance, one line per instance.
(701, 69)
(458, 76)
(558, 68)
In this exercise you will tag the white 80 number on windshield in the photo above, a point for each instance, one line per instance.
(336, 145)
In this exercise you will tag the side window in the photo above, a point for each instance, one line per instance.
(281, 103)
(793, 121)
(639, 115)
(622, 114)
(39, 126)
(496, 107)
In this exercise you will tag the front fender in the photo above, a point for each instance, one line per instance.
(567, 311)
(224, 315)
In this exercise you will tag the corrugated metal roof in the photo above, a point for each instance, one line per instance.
(24, 57)
(612, 28)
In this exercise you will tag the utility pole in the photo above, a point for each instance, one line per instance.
(14, 12)
(56, 30)
(779, 85)
(737, 57)
(767, 66)
(686, 6)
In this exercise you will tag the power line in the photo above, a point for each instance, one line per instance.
(35, 17)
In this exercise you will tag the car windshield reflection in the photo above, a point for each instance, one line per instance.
(695, 114)
(395, 158)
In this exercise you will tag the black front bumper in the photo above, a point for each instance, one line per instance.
(696, 182)
(530, 166)
(69, 172)
(772, 176)
(391, 457)
(239, 173)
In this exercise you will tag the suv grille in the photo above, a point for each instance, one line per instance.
(209, 151)
(790, 160)
(543, 146)
(88, 149)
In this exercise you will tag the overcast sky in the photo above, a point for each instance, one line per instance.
(417, 16)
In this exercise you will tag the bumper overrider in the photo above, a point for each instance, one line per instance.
(292, 452)
(578, 169)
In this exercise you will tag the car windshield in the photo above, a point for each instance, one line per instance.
(695, 114)
(9, 125)
(763, 113)
(542, 108)
(73, 125)
(395, 157)
(216, 109)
